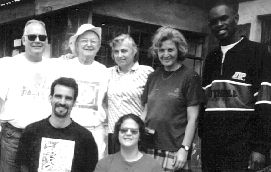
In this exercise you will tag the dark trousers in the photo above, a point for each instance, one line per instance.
(10, 137)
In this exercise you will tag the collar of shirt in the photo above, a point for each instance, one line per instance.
(133, 68)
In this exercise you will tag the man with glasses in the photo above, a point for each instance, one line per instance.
(92, 79)
(23, 91)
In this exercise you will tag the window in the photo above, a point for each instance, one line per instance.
(266, 30)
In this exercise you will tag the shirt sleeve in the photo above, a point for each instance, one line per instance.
(102, 96)
(144, 97)
(206, 80)
(4, 79)
(262, 128)
(193, 90)
(211, 60)
(147, 87)
(3, 90)
(90, 154)
(149, 70)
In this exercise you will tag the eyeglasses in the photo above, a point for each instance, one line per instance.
(32, 37)
(86, 41)
(125, 130)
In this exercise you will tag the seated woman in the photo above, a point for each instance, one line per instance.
(128, 131)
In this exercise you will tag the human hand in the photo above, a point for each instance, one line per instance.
(180, 159)
(256, 161)
(67, 56)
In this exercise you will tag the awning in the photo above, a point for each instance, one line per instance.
(44, 6)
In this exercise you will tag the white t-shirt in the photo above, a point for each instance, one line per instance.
(24, 88)
(226, 48)
(92, 82)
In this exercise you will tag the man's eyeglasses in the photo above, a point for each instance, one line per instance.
(125, 130)
(32, 37)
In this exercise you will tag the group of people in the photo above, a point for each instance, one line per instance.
(94, 111)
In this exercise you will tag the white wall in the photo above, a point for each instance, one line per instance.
(249, 12)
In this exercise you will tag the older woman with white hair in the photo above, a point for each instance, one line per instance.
(172, 97)
(92, 80)
(126, 83)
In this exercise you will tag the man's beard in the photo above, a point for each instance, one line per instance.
(61, 115)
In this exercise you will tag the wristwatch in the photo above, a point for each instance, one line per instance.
(186, 148)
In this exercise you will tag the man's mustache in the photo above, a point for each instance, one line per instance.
(63, 106)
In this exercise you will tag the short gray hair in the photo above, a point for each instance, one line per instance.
(119, 39)
(34, 21)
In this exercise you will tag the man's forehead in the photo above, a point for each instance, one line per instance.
(63, 90)
(220, 10)
(35, 28)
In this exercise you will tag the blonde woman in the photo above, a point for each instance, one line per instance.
(172, 97)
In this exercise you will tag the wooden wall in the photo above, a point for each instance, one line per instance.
(34, 7)
(44, 6)
(157, 12)
(11, 13)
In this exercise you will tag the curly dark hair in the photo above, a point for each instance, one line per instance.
(68, 82)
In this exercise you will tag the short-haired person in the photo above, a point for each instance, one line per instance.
(126, 83)
(128, 133)
(92, 78)
(237, 82)
(23, 91)
(57, 143)
(172, 97)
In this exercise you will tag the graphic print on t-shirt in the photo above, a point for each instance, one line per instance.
(34, 87)
(56, 155)
(88, 95)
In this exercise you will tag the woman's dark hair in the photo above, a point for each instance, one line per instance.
(118, 124)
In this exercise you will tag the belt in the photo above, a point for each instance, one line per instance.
(8, 125)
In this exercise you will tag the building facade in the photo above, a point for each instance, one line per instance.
(138, 18)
